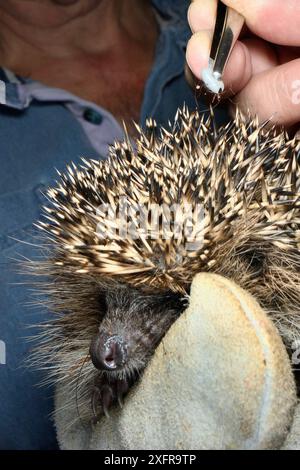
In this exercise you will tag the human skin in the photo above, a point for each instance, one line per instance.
(263, 72)
(99, 50)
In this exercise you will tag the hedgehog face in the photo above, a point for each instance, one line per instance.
(132, 325)
(102, 336)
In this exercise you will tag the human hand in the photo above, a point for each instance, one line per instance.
(263, 71)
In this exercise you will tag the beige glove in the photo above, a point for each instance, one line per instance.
(220, 379)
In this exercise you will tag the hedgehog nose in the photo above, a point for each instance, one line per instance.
(108, 352)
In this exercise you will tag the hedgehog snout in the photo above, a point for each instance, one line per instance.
(108, 352)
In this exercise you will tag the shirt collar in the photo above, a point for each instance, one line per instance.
(173, 11)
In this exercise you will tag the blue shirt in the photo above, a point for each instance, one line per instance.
(43, 128)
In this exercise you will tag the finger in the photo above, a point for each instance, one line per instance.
(238, 68)
(202, 14)
(190, 77)
(197, 51)
(263, 55)
(276, 21)
(248, 57)
(274, 94)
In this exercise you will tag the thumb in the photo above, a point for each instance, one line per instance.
(274, 93)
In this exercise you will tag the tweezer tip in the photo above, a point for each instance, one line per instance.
(212, 80)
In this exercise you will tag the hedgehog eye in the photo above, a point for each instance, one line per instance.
(255, 260)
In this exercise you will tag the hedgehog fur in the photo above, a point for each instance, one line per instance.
(244, 176)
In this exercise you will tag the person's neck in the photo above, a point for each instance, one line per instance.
(103, 56)
(96, 32)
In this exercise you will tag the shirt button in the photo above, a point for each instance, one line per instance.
(92, 116)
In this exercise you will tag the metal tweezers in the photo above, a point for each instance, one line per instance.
(227, 28)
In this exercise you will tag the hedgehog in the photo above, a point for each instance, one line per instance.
(124, 237)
